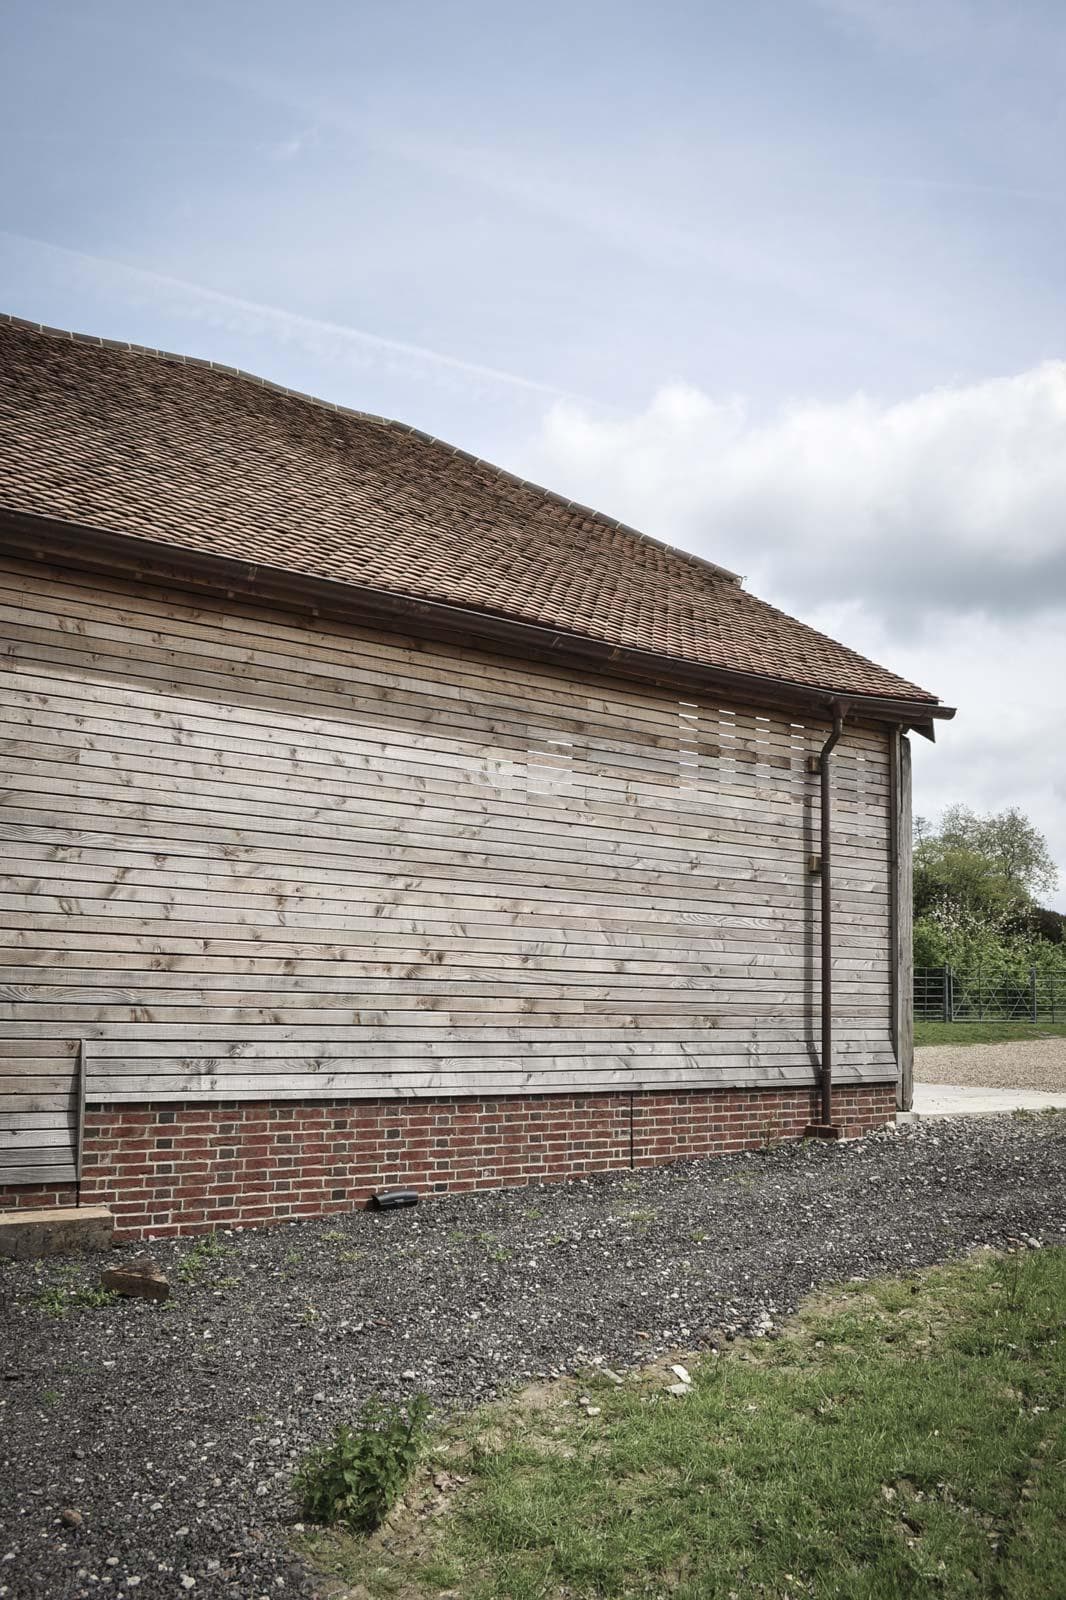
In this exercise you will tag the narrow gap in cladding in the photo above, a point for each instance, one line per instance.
(727, 740)
(551, 766)
(762, 747)
(797, 742)
(688, 746)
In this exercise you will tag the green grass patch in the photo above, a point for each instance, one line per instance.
(208, 1251)
(985, 1032)
(62, 1298)
(902, 1438)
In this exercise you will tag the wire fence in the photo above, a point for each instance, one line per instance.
(943, 995)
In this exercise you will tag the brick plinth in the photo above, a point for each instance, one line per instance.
(14, 1197)
(166, 1169)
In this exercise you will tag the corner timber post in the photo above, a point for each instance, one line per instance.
(902, 891)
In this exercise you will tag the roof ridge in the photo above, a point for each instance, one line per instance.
(503, 473)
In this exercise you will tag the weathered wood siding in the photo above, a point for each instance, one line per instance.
(248, 857)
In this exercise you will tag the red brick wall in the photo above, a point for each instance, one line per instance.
(15, 1197)
(187, 1169)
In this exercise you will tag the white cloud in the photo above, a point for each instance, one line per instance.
(953, 500)
(931, 535)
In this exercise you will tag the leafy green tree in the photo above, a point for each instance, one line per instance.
(1008, 842)
(975, 884)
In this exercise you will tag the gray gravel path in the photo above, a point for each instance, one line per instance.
(1014, 1064)
(173, 1430)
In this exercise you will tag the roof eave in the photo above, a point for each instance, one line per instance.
(130, 555)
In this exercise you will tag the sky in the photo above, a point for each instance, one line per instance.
(782, 283)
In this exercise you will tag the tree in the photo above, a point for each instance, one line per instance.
(991, 867)
(1008, 842)
(975, 883)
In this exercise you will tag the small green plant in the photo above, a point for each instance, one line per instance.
(357, 1476)
(59, 1299)
(203, 1254)
(493, 1249)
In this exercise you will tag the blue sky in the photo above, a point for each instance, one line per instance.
(782, 282)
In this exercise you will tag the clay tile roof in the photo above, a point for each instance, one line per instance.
(206, 459)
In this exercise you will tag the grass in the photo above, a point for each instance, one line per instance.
(208, 1251)
(985, 1032)
(903, 1438)
(61, 1298)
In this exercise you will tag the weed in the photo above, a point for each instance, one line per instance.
(200, 1256)
(49, 1397)
(494, 1250)
(357, 1476)
(59, 1299)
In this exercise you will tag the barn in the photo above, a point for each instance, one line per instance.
(375, 819)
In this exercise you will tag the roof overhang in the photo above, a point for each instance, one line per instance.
(131, 557)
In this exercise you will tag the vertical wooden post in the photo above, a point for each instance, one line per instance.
(902, 954)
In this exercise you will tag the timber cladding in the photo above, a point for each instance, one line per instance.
(252, 859)
(188, 1169)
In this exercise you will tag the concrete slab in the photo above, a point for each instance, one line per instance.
(54, 1231)
(956, 1100)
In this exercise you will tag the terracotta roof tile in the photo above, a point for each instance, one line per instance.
(206, 459)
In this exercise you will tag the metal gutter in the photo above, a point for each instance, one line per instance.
(129, 555)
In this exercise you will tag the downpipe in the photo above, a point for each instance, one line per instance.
(824, 1128)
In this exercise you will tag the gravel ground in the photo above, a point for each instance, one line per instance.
(1013, 1064)
(173, 1430)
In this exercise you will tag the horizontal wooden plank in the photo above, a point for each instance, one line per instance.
(248, 855)
(236, 837)
(33, 865)
(299, 801)
(26, 1171)
(192, 1091)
